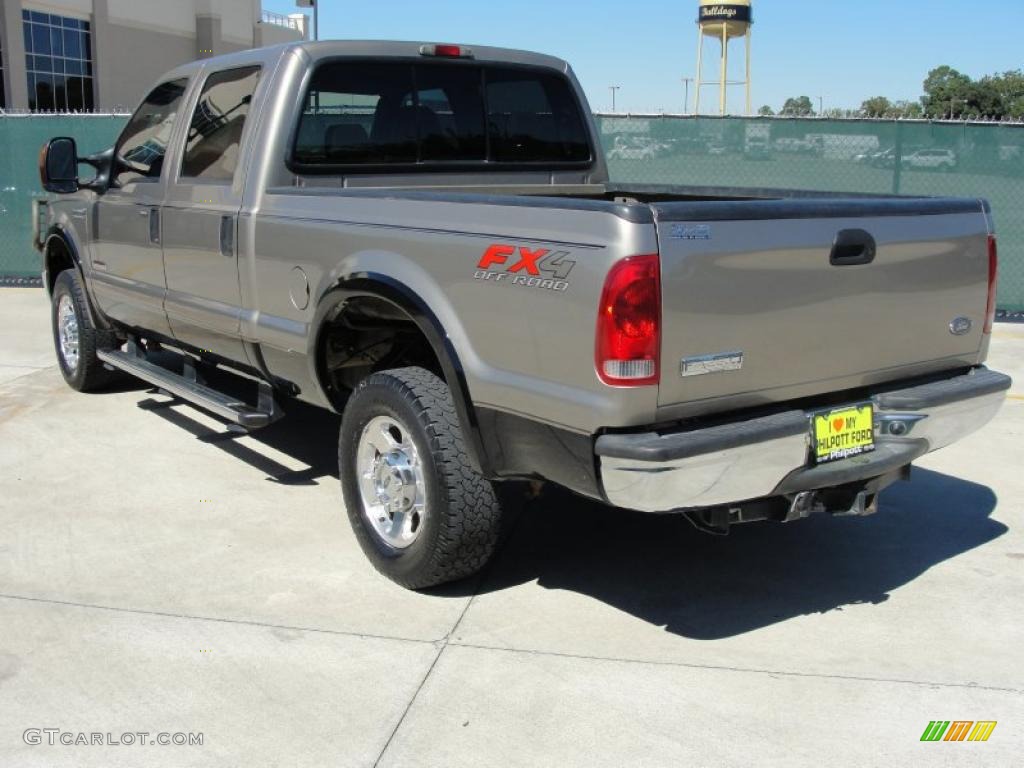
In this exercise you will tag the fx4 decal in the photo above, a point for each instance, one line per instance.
(531, 267)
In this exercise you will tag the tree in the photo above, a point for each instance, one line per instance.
(1009, 88)
(911, 110)
(798, 106)
(766, 111)
(878, 106)
(946, 92)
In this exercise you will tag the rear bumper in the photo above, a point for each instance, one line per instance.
(769, 456)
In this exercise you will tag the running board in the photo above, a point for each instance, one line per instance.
(189, 389)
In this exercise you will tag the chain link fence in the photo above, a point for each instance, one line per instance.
(868, 156)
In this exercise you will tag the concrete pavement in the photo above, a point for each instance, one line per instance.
(159, 575)
(26, 344)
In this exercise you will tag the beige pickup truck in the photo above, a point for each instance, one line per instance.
(423, 238)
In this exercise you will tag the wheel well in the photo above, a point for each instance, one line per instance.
(366, 334)
(58, 259)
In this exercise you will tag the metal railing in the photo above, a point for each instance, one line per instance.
(280, 20)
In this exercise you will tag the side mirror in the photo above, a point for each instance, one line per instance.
(58, 166)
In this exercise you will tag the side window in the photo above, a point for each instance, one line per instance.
(141, 148)
(215, 133)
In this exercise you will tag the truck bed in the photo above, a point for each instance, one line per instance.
(749, 283)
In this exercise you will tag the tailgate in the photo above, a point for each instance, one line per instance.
(759, 305)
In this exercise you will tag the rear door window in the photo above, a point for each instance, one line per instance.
(414, 114)
(215, 134)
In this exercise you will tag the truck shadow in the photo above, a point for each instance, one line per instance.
(307, 434)
(659, 569)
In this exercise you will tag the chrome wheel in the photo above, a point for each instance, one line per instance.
(67, 332)
(391, 485)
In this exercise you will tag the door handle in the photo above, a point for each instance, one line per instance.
(154, 225)
(227, 236)
(145, 212)
(852, 247)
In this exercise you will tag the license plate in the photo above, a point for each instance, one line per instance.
(843, 432)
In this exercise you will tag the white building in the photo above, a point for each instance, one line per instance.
(103, 54)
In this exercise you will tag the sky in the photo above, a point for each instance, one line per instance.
(842, 52)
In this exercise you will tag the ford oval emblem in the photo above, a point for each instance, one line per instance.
(961, 326)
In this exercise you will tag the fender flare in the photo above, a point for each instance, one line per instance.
(58, 231)
(406, 299)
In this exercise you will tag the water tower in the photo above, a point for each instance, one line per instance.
(725, 22)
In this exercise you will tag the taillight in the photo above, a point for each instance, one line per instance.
(629, 323)
(993, 272)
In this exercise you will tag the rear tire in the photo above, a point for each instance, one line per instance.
(76, 338)
(422, 515)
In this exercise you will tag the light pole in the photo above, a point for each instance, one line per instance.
(315, 5)
(614, 89)
(686, 104)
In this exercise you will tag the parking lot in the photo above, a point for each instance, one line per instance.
(160, 575)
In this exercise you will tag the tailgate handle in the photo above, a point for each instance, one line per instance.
(853, 246)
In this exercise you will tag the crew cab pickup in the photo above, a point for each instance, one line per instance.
(424, 239)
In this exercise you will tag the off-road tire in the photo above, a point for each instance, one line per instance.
(89, 374)
(463, 517)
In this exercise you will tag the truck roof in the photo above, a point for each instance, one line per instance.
(326, 49)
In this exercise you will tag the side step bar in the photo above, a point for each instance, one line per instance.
(189, 389)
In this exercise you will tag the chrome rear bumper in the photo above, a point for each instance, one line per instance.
(770, 456)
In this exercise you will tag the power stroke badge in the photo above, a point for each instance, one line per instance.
(529, 267)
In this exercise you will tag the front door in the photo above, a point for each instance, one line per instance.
(200, 217)
(127, 261)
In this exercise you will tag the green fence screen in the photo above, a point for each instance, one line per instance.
(872, 156)
(21, 137)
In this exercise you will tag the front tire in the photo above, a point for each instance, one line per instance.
(422, 515)
(75, 337)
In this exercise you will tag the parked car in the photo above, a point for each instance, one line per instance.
(931, 159)
(795, 146)
(884, 159)
(483, 309)
(637, 148)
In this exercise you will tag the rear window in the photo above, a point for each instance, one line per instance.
(392, 114)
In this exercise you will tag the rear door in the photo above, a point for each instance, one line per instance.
(779, 300)
(200, 215)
